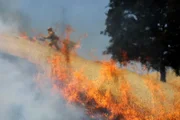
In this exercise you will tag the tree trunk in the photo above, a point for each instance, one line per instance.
(177, 72)
(163, 72)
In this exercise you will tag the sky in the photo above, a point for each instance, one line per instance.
(85, 16)
(19, 97)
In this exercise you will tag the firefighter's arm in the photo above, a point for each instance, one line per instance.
(46, 37)
(49, 36)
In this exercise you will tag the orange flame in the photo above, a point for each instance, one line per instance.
(23, 35)
(111, 94)
(99, 98)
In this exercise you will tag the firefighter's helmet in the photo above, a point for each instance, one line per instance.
(50, 29)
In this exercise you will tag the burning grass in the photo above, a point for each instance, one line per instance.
(114, 94)
(110, 95)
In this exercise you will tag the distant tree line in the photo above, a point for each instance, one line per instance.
(147, 31)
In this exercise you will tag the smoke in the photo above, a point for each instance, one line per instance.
(11, 15)
(5, 28)
(20, 98)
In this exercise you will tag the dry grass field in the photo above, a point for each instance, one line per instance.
(102, 87)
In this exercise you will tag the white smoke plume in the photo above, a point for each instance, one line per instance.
(11, 15)
(7, 28)
(20, 98)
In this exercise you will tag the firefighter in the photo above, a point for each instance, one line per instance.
(53, 37)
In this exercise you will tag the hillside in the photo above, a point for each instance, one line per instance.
(146, 88)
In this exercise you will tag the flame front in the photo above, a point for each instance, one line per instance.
(98, 97)
(110, 95)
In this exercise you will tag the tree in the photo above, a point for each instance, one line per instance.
(141, 29)
(174, 35)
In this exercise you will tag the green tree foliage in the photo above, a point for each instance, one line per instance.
(144, 29)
